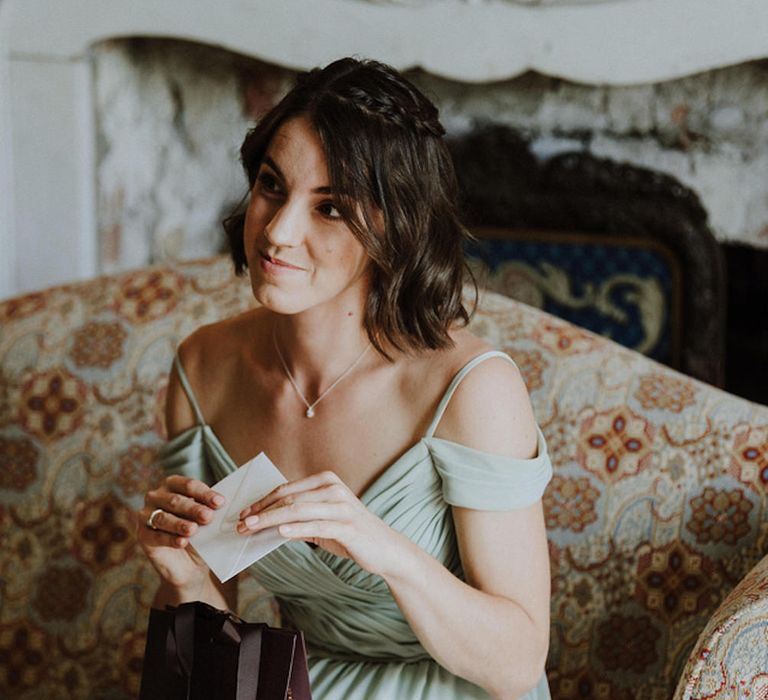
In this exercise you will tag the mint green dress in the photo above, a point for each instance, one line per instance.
(359, 645)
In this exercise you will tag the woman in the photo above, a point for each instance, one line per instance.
(417, 566)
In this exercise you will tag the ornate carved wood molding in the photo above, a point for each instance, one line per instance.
(609, 42)
(504, 186)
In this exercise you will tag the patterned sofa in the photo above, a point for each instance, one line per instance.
(656, 512)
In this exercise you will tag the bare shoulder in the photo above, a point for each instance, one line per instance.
(490, 409)
(214, 342)
(204, 355)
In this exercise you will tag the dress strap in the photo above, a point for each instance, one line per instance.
(463, 372)
(188, 389)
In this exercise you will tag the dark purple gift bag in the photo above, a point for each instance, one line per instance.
(196, 652)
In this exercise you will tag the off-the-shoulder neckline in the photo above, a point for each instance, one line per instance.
(369, 492)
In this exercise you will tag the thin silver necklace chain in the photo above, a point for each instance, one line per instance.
(311, 406)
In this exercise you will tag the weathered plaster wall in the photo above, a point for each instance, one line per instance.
(709, 130)
(170, 120)
(171, 117)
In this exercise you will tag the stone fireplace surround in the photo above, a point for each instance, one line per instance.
(47, 155)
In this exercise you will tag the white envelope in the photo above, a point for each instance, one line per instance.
(225, 550)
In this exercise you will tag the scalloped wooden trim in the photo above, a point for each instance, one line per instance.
(619, 43)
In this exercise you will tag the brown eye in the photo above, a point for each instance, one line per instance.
(268, 183)
(329, 210)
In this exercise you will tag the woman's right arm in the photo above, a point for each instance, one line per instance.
(186, 504)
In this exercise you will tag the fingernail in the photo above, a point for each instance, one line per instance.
(217, 500)
(251, 521)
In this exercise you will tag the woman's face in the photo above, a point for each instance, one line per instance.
(300, 252)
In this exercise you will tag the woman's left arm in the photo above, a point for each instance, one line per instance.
(494, 629)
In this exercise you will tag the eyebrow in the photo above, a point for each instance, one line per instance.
(271, 163)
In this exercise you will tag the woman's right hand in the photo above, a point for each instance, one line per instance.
(186, 504)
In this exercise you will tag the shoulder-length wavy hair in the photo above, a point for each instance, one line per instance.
(385, 153)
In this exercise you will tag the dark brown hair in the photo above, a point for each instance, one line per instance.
(384, 148)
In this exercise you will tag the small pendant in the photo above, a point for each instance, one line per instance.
(310, 412)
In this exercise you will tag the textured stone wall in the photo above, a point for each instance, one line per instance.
(710, 131)
(170, 119)
(171, 116)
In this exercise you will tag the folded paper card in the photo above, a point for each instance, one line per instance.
(225, 550)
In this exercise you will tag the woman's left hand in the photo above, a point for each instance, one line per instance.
(322, 510)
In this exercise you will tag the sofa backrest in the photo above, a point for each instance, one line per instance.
(655, 510)
(653, 513)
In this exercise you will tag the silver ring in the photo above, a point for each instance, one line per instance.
(151, 519)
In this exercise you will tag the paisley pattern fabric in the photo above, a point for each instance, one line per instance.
(359, 644)
(655, 512)
(736, 638)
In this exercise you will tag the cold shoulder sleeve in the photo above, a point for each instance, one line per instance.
(185, 455)
(482, 481)
(196, 453)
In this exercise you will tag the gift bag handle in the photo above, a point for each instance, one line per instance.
(179, 649)
(249, 661)
(299, 683)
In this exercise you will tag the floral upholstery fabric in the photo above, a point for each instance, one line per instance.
(737, 638)
(654, 514)
(655, 510)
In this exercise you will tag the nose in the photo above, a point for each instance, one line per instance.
(285, 227)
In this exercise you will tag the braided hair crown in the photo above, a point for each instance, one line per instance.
(377, 91)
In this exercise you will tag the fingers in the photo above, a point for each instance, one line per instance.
(292, 488)
(157, 538)
(168, 522)
(185, 498)
(194, 489)
(317, 530)
(307, 507)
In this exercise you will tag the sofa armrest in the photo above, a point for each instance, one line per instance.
(730, 658)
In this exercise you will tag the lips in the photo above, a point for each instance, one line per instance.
(278, 262)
